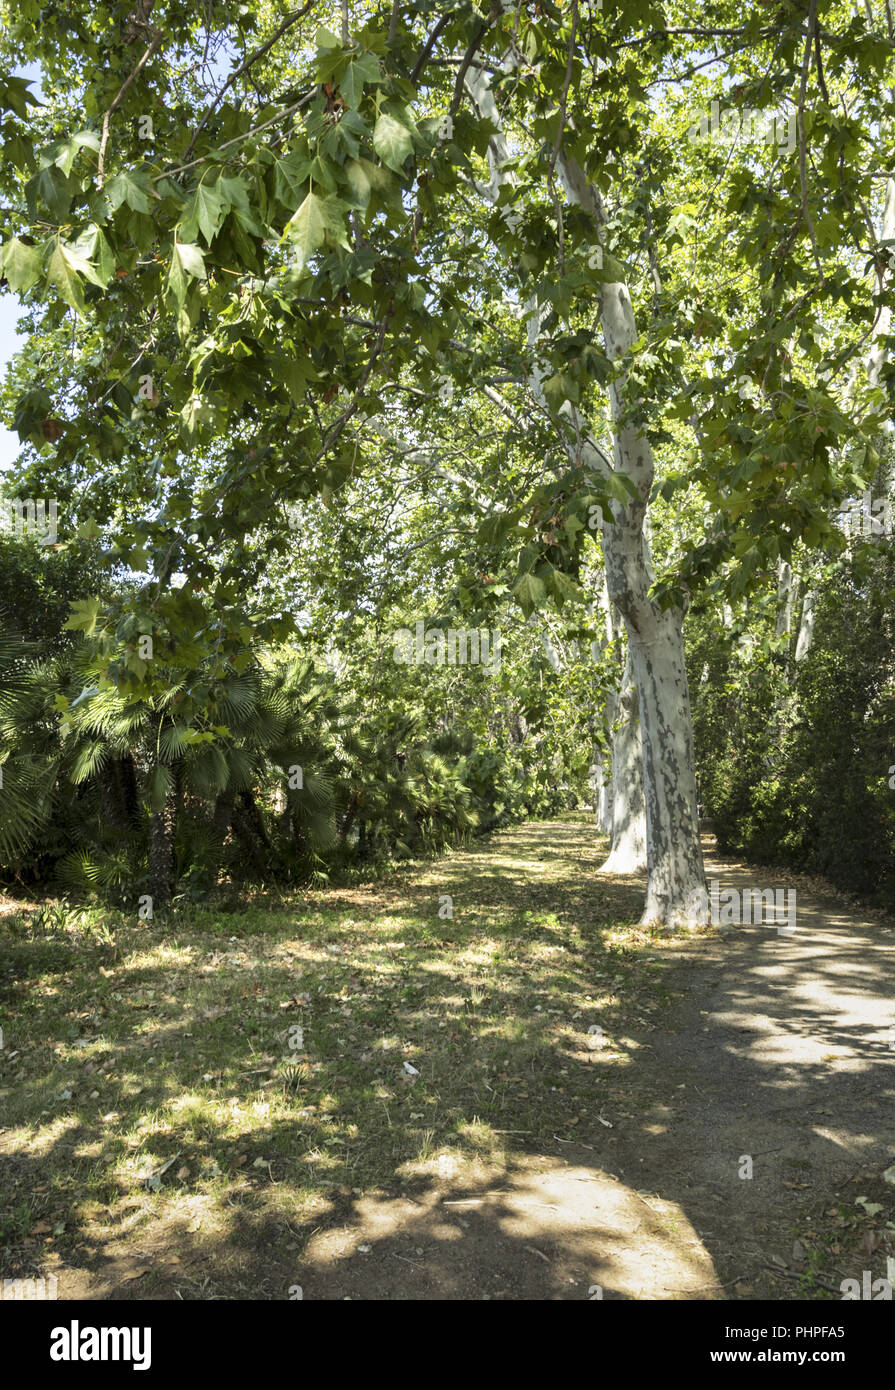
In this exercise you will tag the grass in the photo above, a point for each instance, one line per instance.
(263, 1055)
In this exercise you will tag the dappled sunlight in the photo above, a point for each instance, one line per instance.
(448, 1093)
(575, 1232)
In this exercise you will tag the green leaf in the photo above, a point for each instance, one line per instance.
(64, 152)
(21, 265)
(560, 388)
(92, 246)
(365, 179)
(186, 259)
(531, 593)
(79, 263)
(207, 208)
(307, 228)
(105, 259)
(14, 94)
(316, 221)
(392, 142)
(197, 412)
(357, 173)
(565, 588)
(621, 488)
(234, 191)
(158, 784)
(84, 616)
(126, 188)
(63, 274)
(611, 272)
(291, 177)
(51, 187)
(351, 84)
(295, 376)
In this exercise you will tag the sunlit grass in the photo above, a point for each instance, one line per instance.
(269, 1052)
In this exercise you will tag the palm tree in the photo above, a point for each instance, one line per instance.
(29, 756)
(224, 764)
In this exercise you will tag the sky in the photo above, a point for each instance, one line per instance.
(10, 309)
(10, 312)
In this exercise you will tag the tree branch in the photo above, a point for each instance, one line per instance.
(100, 168)
(287, 23)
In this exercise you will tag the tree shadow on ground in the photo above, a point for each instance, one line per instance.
(525, 1158)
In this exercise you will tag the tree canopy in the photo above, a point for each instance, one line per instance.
(504, 317)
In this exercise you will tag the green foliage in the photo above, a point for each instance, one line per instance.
(795, 758)
(322, 284)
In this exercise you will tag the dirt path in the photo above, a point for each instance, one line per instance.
(575, 1171)
(776, 1049)
(781, 1048)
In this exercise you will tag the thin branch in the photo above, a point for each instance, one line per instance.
(806, 60)
(100, 168)
(465, 66)
(334, 431)
(289, 111)
(287, 23)
(393, 21)
(429, 45)
(820, 67)
(563, 110)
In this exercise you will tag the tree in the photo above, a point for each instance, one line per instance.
(241, 300)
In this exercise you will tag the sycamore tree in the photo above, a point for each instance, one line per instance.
(772, 461)
(238, 233)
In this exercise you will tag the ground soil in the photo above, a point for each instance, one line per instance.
(771, 1055)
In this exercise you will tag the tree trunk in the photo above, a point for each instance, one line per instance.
(601, 782)
(112, 810)
(255, 819)
(603, 790)
(676, 893)
(884, 479)
(353, 808)
(129, 791)
(628, 826)
(223, 813)
(249, 829)
(806, 627)
(161, 854)
(784, 599)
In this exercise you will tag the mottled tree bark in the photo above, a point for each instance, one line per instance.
(676, 893)
(627, 853)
